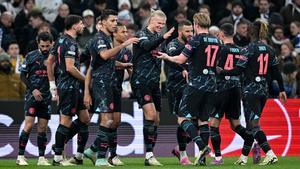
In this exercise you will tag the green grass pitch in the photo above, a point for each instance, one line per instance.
(169, 163)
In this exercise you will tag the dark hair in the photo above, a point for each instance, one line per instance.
(44, 36)
(204, 6)
(98, 2)
(11, 43)
(184, 23)
(145, 6)
(228, 29)
(105, 14)
(237, 2)
(71, 20)
(36, 14)
(133, 27)
(259, 30)
(243, 21)
(119, 25)
(45, 24)
(179, 11)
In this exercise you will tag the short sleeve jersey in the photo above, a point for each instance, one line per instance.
(67, 47)
(229, 56)
(35, 68)
(176, 82)
(102, 69)
(257, 59)
(202, 52)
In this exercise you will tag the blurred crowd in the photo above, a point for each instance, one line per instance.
(22, 20)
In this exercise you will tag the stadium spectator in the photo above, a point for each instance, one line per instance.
(287, 54)
(124, 5)
(241, 37)
(264, 12)
(6, 22)
(89, 30)
(63, 12)
(76, 7)
(15, 58)
(22, 17)
(295, 35)
(44, 27)
(48, 8)
(289, 74)
(179, 16)
(125, 16)
(236, 14)
(278, 38)
(143, 15)
(11, 87)
(291, 12)
(182, 5)
(98, 7)
(13, 6)
(153, 4)
(204, 9)
(29, 32)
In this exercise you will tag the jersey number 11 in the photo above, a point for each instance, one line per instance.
(263, 63)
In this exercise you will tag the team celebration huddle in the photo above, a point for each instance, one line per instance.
(209, 76)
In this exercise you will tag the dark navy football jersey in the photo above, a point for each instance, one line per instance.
(146, 67)
(34, 66)
(229, 56)
(202, 52)
(67, 47)
(102, 69)
(257, 60)
(124, 56)
(176, 82)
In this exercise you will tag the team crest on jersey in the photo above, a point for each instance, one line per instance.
(242, 57)
(111, 106)
(147, 97)
(126, 57)
(73, 110)
(31, 110)
(188, 46)
(72, 48)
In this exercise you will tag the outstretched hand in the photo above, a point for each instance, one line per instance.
(131, 41)
(169, 33)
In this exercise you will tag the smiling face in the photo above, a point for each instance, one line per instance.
(157, 23)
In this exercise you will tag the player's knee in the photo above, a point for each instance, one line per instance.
(42, 128)
(28, 127)
(84, 117)
(150, 115)
(116, 124)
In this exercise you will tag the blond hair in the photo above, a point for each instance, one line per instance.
(202, 20)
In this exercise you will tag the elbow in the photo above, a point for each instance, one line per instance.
(69, 69)
(103, 56)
